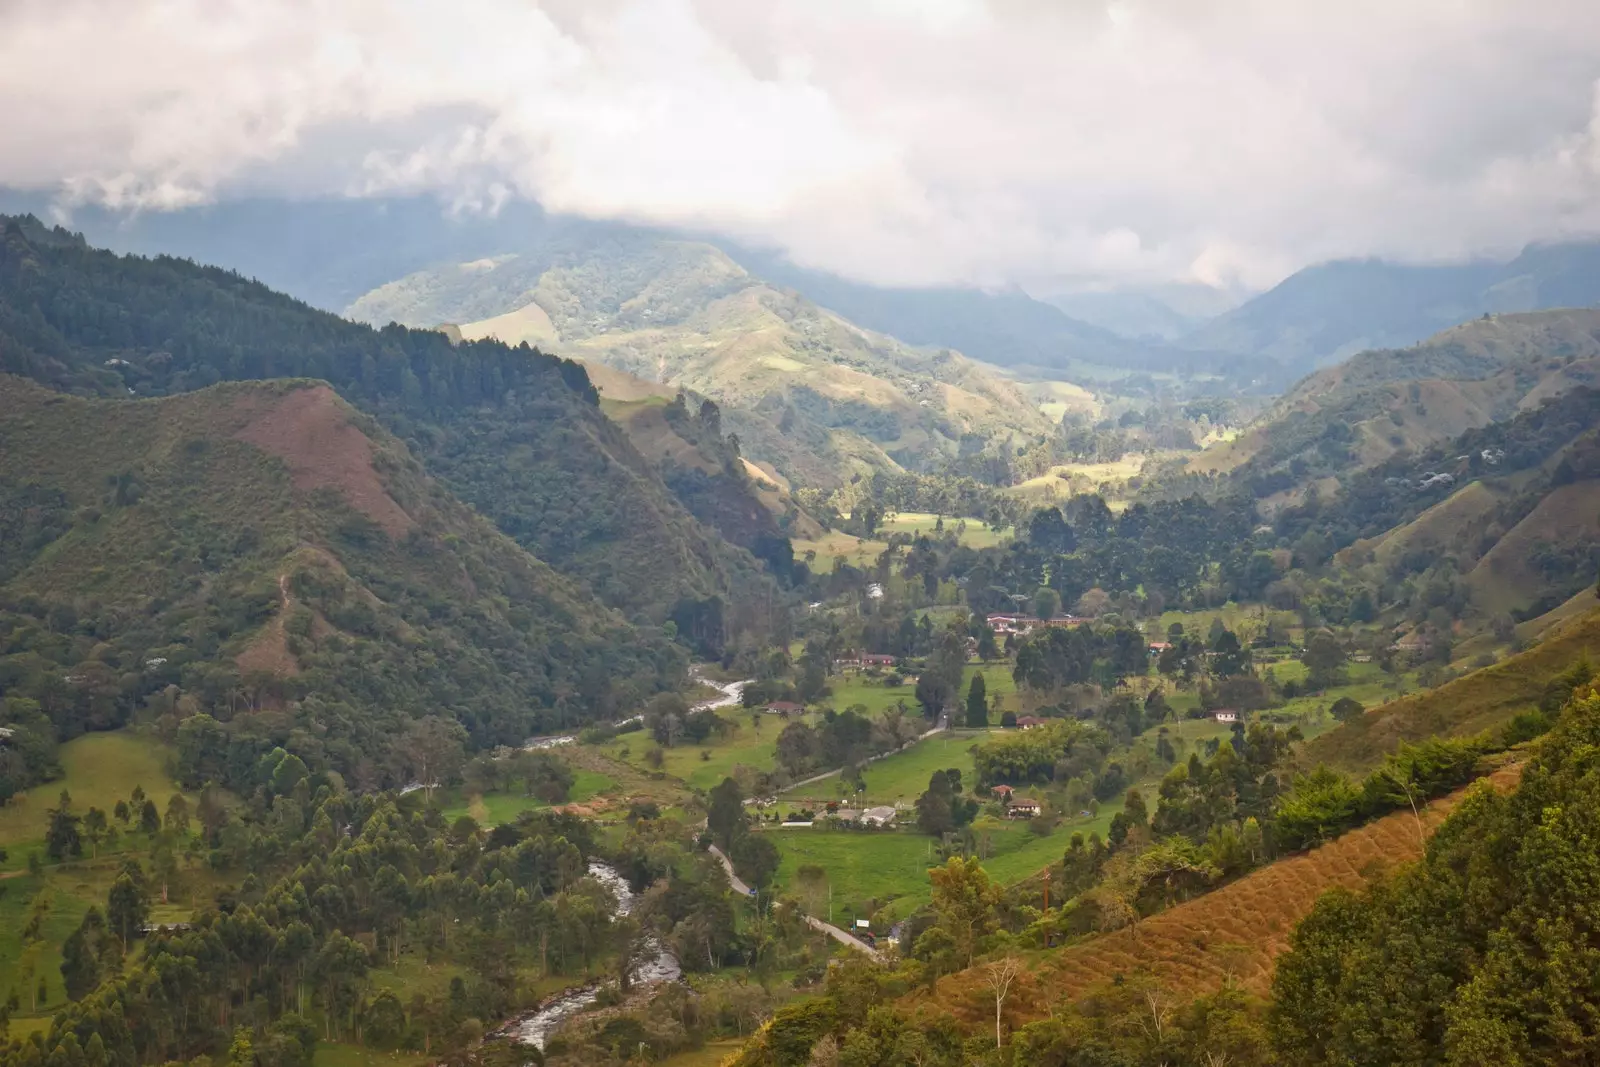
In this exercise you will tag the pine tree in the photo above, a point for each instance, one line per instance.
(977, 704)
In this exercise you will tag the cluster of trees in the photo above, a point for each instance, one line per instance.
(842, 739)
(1059, 656)
(1058, 749)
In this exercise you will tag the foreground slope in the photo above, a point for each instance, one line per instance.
(265, 551)
(1233, 933)
(516, 434)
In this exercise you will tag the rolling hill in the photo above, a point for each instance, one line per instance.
(1330, 311)
(807, 392)
(1386, 402)
(516, 434)
(1482, 700)
(265, 551)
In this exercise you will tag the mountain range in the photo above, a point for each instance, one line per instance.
(1325, 313)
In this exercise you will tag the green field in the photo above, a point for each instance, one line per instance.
(904, 775)
(100, 769)
(1246, 620)
(744, 745)
(492, 809)
(335, 1054)
(974, 533)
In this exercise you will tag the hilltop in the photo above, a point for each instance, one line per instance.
(516, 434)
(268, 550)
(807, 392)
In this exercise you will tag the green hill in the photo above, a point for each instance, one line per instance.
(263, 551)
(1389, 402)
(514, 433)
(1482, 700)
(805, 391)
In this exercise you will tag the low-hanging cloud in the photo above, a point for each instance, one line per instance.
(1044, 143)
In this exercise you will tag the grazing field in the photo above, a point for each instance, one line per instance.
(1483, 700)
(100, 769)
(830, 545)
(705, 765)
(1246, 620)
(492, 809)
(904, 776)
(336, 1054)
(974, 533)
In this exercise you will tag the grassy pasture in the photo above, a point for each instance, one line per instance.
(494, 808)
(100, 769)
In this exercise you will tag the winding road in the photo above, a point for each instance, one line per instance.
(816, 924)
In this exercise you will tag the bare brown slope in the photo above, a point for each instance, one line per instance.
(1479, 701)
(310, 430)
(1240, 929)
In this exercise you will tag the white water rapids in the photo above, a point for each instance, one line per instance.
(658, 965)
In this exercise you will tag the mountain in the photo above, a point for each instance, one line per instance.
(810, 394)
(1327, 312)
(1033, 338)
(516, 434)
(267, 550)
(1160, 313)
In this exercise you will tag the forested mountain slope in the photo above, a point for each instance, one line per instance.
(805, 391)
(517, 434)
(263, 551)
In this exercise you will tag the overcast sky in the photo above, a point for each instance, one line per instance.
(896, 141)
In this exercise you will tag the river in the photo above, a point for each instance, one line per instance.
(657, 965)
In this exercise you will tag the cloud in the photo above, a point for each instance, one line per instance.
(1038, 142)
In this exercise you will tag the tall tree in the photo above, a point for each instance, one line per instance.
(725, 815)
(977, 704)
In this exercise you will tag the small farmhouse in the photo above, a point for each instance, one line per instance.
(1022, 809)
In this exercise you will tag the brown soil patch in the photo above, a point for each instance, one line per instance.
(1241, 928)
(269, 652)
(307, 429)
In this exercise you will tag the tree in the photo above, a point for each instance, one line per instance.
(149, 817)
(755, 858)
(240, 1052)
(964, 904)
(999, 976)
(61, 836)
(987, 649)
(1324, 659)
(128, 906)
(977, 704)
(434, 749)
(95, 827)
(177, 820)
(725, 814)
(1046, 603)
(1345, 708)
